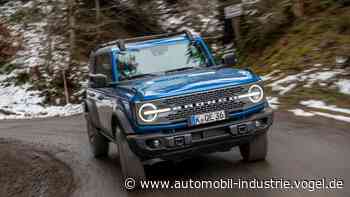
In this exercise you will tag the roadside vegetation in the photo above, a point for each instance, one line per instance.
(303, 56)
(317, 37)
(46, 43)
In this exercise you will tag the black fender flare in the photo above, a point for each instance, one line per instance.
(119, 117)
(90, 110)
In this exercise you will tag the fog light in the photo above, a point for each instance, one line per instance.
(155, 143)
(258, 123)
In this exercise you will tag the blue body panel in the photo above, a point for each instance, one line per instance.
(115, 73)
(188, 82)
(237, 115)
(179, 83)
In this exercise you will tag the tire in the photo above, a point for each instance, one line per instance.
(256, 150)
(131, 165)
(99, 144)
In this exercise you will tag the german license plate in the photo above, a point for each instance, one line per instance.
(207, 118)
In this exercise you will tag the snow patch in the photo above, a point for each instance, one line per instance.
(198, 16)
(38, 43)
(19, 102)
(273, 102)
(288, 83)
(270, 75)
(322, 105)
(320, 76)
(300, 112)
(36, 111)
(279, 87)
(288, 88)
(344, 86)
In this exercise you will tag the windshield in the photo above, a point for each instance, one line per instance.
(161, 58)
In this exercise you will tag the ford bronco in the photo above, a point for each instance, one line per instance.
(164, 97)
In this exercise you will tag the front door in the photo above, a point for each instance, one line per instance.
(104, 101)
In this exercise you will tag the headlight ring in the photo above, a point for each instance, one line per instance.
(256, 93)
(149, 117)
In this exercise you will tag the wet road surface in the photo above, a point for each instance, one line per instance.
(299, 148)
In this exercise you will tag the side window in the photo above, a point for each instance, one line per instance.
(104, 66)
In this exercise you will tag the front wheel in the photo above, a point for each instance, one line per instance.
(256, 149)
(131, 165)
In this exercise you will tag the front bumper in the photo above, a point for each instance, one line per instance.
(214, 137)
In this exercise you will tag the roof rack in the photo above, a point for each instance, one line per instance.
(121, 42)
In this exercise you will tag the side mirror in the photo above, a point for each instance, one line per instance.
(229, 59)
(98, 80)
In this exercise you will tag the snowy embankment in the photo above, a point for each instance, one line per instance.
(335, 79)
(320, 105)
(19, 102)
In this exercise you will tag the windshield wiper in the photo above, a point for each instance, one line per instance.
(180, 69)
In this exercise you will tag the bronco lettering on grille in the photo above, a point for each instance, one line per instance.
(201, 104)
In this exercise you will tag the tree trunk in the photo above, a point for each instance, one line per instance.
(236, 24)
(98, 19)
(301, 8)
(66, 93)
(71, 24)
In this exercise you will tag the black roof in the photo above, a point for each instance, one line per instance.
(120, 43)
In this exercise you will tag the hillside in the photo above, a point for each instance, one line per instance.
(35, 51)
(304, 60)
(308, 66)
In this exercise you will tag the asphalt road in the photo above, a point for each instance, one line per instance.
(300, 148)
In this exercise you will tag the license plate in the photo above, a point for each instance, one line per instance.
(207, 118)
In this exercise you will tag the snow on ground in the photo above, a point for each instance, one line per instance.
(278, 86)
(300, 112)
(322, 105)
(37, 111)
(35, 35)
(288, 88)
(270, 75)
(344, 86)
(336, 117)
(316, 104)
(310, 77)
(317, 75)
(198, 17)
(19, 102)
(9, 8)
(320, 76)
(273, 102)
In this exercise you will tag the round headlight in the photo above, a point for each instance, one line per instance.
(147, 117)
(256, 93)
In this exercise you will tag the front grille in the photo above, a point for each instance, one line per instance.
(203, 96)
(184, 113)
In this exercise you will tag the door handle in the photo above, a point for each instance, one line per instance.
(100, 97)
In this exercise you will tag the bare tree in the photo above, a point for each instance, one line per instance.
(98, 19)
(71, 24)
(301, 7)
(72, 41)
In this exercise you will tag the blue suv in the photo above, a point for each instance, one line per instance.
(164, 97)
